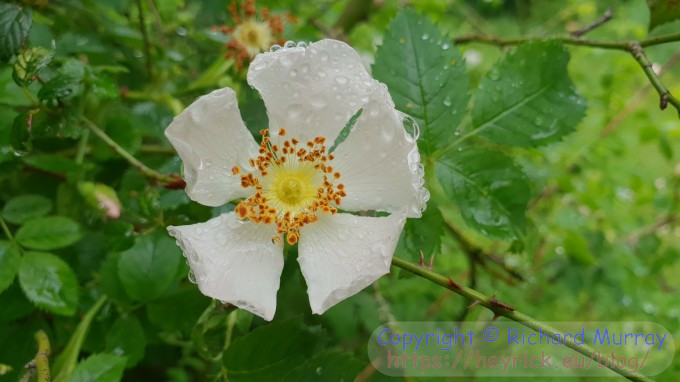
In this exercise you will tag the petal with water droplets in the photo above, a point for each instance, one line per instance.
(311, 91)
(342, 254)
(234, 261)
(211, 139)
(379, 162)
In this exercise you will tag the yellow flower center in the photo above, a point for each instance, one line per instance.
(254, 36)
(295, 183)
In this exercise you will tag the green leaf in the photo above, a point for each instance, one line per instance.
(178, 311)
(148, 268)
(49, 282)
(662, 11)
(426, 77)
(328, 365)
(491, 192)
(61, 86)
(14, 304)
(262, 354)
(50, 232)
(20, 138)
(10, 259)
(66, 361)
(424, 234)
(52, 163)
(15, 22)
(29, 64)
(99, 368)
(527, 99)
(126, 338)
(344, 133)
(576, 247)
(22, 208)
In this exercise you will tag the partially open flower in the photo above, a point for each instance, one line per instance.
(292, 186)
(252, 31)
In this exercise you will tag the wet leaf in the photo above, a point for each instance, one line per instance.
(490, 190)
(49, 282)
(527, 98)
(425, 75)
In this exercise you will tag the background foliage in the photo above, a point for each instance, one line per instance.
(554, 175)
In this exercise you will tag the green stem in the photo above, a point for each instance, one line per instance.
(42, 362)
(8, 233)
(126, 155)
(30, 97)
(82, 147)
(500, 309)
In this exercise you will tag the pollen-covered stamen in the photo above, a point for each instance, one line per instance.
(295, 183)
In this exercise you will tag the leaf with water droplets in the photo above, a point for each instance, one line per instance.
(49, 282)
(426, 77)
(527, 99)
(490, 190)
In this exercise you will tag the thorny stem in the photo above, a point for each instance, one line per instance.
(502, 309)
(42, 362)
(152, 174)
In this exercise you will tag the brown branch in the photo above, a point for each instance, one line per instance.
(608, 15)
(665, 96)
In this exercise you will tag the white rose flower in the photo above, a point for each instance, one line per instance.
(291, 186)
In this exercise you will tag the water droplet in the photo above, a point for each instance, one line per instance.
(323, 56)
(538, 121)
(494, 75)
(341, 80)
(289, 44)
(302, 44)
(445, 46)
(293, 73)
(447, 101)
(275, 47)
(425, 36)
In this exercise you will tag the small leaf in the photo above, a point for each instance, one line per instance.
(424, 234)
(662, 11)
(15, 22)
(491, 192)
(22, 208)
(29, 64)
(149, 267)
(20, 138)
(425, 75)
(527, 99)
(126, 338)
(10, 259)
(59, 87)
(99, 368)
(49, 282)
(260, 354)
(52, 163)
(50, 232)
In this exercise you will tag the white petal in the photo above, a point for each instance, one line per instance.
(342, 254)
(311, 91)
(211, 138)
(380, 163)
(234, 261)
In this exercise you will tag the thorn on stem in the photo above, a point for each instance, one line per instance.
(474, 303)
(663, 103)
(422, 260)
(500, 305)
(453, 284)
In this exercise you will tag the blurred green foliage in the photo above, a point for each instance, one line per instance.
(566, 212)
